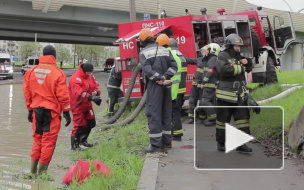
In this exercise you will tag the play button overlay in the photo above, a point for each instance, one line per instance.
(265, 139)
(235, 138)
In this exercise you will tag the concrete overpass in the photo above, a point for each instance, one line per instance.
(71, 24)
(96, 21)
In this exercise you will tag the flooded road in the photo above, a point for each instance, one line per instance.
(16, 137)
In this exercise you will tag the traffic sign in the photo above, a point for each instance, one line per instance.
(146, 16)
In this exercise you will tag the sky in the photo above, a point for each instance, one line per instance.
(295, 5)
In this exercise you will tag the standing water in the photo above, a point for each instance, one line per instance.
(16, 141)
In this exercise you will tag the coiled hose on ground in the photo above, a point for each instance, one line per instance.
(123, 105)
(131, 117)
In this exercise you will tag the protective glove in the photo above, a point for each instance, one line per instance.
(251, 102)
(30, 116)
(67, 117)
(96, 99)
(92, 98)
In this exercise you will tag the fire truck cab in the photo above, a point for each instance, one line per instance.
(273, 45)
(192, 32)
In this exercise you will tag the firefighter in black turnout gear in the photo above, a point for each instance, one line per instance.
(114, 92)
(209, 82)
(158, 66)
(196, 92)
(231, 90)
(177, 128)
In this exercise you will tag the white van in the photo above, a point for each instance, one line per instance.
(29, 63)
(6, 67)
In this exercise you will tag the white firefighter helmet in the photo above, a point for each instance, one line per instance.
(214, 48)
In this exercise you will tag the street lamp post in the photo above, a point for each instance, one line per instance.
(288, 6)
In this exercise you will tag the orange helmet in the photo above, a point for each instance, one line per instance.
(163, 40)
(144, 34)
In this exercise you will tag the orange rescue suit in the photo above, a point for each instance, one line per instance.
(46, 92)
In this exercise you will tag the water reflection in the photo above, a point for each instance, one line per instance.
(15, 131)
(16, 138)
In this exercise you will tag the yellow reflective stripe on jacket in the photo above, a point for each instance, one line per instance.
(111, 86)
(226, 92)
(202, 116)
(210, 85)
(237, 70)
(184, 69)
(200, 70)
(242, 123)
(190, 115)
(226, 95)
(220, 125)
(205, 79)
(194, 83)
(206, 68)
(213, 116)
(178, 132)
(182, 90)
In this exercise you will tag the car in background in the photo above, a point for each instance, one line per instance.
(108, 64)
(6, 66)
(29, 63)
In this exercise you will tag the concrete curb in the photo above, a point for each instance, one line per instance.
(149, 172)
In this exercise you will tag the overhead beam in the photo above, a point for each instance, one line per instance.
(84, 29)
(17, 8)
(46, 6)
(56, 38)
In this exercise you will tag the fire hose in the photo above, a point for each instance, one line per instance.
(281, 95)
(131, 117)
(123, 105)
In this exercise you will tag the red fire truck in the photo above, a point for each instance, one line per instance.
(192, 32)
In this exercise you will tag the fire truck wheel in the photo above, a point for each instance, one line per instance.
(271, 75)
(256, 44)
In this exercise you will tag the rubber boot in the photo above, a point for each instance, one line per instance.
(34, 165)
(83, 140)
(244, 148)
(191, 120)
(42, 168)
(177, 138)
(86, 144)
(75, 144)
(221, 146)
(152, 149)
(206, 122)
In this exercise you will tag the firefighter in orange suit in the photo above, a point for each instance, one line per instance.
(46, 96)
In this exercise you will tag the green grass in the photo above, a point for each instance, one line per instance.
(120, 149)
(67, 66)
(291, 77)
(267, 91)
(18, 64)
(268, 124)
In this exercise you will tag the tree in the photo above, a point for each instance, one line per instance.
(92, 53)
(63, 54)
(82, 52)
(29, 48)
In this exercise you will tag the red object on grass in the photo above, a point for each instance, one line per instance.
(81, 171)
